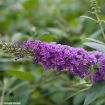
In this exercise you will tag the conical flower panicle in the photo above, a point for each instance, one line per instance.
(59, 57)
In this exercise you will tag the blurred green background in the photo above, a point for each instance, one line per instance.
(45, 20)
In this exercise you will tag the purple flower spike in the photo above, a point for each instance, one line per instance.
(62, 57)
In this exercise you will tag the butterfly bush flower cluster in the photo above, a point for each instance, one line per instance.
(62, 57)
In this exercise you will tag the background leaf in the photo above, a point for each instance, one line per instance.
(95, 44)
(96, 91)
(21, 74)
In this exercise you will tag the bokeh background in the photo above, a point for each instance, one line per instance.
(46, 20)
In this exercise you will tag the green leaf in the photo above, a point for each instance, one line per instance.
(87, 17)
(16, 87)
(21, 74)
(46, 38)
(75, 93)
(22, 92)
(95, 91)
(57, 32)
(97, 46)
(95, 34)
(94, 40)
(79, 98)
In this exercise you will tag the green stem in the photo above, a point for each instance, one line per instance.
(1, 44)
(100, 24)
(3, 92)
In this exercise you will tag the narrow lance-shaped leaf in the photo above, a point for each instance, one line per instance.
(96, 91)
(21, 74)
(87, 17)
(97, 46)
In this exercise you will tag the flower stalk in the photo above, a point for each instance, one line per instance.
(96, 10)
